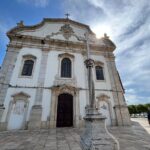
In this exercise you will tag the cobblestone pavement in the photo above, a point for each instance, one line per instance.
(130, 138)
(53, 139)
(143, 122)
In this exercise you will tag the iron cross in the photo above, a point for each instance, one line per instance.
(67, 15)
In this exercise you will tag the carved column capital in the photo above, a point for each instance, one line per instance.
(89, 63)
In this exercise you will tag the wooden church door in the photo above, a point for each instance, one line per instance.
(65, 111)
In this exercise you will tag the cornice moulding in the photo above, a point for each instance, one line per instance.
(41, 42)
(50, 20)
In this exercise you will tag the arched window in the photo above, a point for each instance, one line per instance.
(66, 68)
(27, 68)
(99, 73)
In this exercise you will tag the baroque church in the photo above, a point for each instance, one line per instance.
(44, 79)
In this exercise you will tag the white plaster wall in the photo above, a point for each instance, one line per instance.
(16, 78)
(46, 104)
(80, 75)
(8, 98)
(51, 72)
(105, 84)
(49, 28)
(82, 101)
(79, 69)
(52, 68)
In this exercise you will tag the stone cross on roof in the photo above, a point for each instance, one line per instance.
(67, 15)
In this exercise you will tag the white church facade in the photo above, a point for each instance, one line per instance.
(44, 82)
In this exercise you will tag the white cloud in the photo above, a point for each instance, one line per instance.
(37, 3)
(127, 23)
(134, 99)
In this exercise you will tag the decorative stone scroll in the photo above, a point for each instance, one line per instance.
(64, 89)
(67, 31)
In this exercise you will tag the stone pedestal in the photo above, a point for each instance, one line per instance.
(122, 114)
(1, 110)
(95, 135)
(2, 126)
(35, 118)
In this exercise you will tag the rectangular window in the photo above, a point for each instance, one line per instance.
(99, 73)
(27, 68)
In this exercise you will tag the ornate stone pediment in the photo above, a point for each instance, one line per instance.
(62, 81)
(64, 89)
(66, 55)
(98, 63)
(20, 96)
(66, 31)
(103, 97)
(29, 56)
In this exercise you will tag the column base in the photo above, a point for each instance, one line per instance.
(2, 108)
(96, 135)
(35, 118)
(3, 126)
(122, 114)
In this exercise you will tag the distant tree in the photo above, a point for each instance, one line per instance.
(141, 108)
(147, 106)
(132, 109)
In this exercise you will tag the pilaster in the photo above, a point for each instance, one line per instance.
(120, 108)
(6, 73)
(36, 112)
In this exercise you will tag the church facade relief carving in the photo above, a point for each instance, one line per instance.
(18, 107)
(105, 107)
(67, 31)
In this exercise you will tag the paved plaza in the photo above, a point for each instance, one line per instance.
(143, 122)
(130, 138)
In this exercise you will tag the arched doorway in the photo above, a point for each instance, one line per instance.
(65, 110)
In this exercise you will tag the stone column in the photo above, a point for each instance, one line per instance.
(121, 110)
(77, 109)
(36, 113)
(53, 108)
(96, 135)
(5, 77)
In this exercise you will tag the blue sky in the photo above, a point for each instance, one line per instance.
(127, 22)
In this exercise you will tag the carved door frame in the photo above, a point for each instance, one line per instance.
(56, 91)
